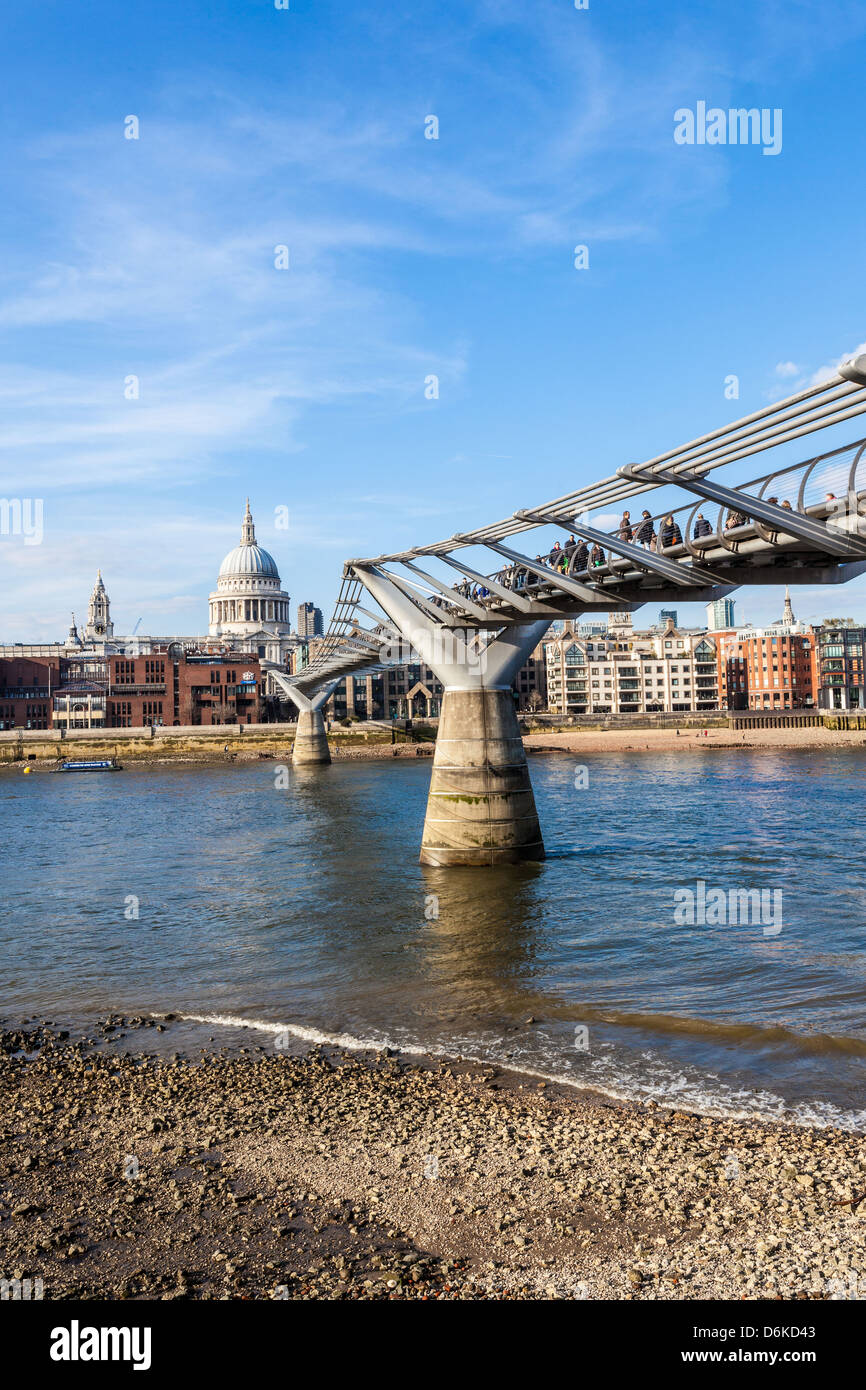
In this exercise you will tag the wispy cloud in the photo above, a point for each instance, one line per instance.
(797, 378)
(154, 259)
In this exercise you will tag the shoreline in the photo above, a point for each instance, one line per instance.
(536, 743)
(693, 740)
(330, 1174)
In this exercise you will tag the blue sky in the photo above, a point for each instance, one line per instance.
(304, 388)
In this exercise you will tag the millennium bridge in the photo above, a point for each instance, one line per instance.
(803, 523)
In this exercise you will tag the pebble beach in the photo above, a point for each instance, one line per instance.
(131, 1172)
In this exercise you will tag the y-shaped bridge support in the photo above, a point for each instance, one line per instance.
(311, 741)
(480, 809)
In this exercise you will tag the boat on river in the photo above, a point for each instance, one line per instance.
(90, 765)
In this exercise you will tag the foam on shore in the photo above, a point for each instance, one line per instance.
(665, 1086)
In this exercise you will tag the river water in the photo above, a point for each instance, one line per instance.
(294, 902)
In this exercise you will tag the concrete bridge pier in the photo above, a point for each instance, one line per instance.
(481, 808)
(311, 740)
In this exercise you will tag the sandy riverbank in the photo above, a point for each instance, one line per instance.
(691, 740)
(263, 1175)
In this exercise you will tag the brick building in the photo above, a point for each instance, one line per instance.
(167, 686)
(172, 687)
(767, 668)
(26, 689)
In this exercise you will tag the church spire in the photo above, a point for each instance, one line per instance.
(248, 530)
(99, 624)
(788, 615)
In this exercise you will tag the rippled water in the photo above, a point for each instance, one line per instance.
(305, 907)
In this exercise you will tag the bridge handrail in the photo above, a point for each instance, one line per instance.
(818, 407)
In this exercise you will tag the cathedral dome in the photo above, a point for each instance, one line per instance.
(249, 559)
(248, 601)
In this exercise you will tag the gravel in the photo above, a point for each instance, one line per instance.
(262, 1175)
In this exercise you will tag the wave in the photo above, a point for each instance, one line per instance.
(684, 1025)
(705, 1095)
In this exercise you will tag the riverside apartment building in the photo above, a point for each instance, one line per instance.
(839, 672)
(671, 670)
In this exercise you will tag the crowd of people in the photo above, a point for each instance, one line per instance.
(577, 557)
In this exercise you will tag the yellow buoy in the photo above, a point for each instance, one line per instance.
(26, 770)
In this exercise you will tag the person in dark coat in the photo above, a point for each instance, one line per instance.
(734, 519)
(702, 526)
(671, 534)
(625, 531)
(596, 555)
(554, 559)
(581, 558)
(645, 531)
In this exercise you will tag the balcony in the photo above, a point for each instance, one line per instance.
(119, 692)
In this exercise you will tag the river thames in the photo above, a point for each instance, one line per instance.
(294, 903)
